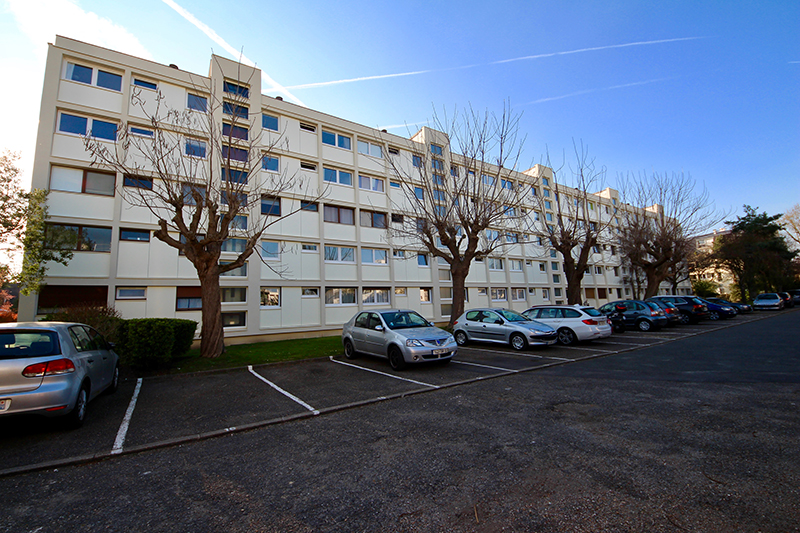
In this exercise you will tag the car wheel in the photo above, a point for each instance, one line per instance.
(644, 325)
(76, 417)
(566, 336)
(349, 350)
(518, 342)
(461, 338)
(684, 319)
(713, 315)
(396, 360)
(112, 388)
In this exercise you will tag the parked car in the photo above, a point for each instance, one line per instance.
(717, 311)
(573, 323)
(642, 315)
(54, 369)
(768, 300)
(692, 309)
(787, 299)
(504, 326)
(795, 293)
(672, 313)
(740, 307)
(400, 335)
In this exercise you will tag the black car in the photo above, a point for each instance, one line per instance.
(642, 315)
(740, 307)
(692, 309)
(672, 313)
(795, 294)
(788, 301)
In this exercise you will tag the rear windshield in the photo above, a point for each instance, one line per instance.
(591, 311)
(696, 301)
(21, 343)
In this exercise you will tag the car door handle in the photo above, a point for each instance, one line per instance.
(90, 360)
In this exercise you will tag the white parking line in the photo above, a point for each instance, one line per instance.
(501, 352)
(285, 393)
(383, 373)
(582, 348)
(545, 357)
(484, 366)
(123, 428)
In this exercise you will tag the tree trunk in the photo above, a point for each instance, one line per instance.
(653, 282)
(459, 274)
(211, 334)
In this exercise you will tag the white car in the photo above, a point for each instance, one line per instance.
(573, 323)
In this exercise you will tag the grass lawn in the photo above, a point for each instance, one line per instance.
(256, 354)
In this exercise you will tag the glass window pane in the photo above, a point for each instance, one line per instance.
(73, 124)
(363, 147)
(271, 163)
(234, 294)
(100, 183)
(344, 142)
(364, 181)
(198, 103)
(109, 80)
(134, 235)
(331, 253)
(270, 250)
(346, 216)
(377, 185)
(79, 73)
(145, 84)
(104, 130)
(329, 175)
(96, 239)
(331, 213)
(378, 220)
(375, 150)
(270, 297)
(348, 255)
(348, 296)
(345, 178)
(365, 218)
(366, 255)
(66, 179)
(269, 122)
(328, 138)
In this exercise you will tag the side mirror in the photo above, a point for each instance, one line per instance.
(431, 324)
(378, 328)
(498, 321)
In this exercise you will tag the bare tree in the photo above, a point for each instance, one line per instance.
(198, 171)
(569, 215)
(791, 224)
(461, 200)
(662, 215)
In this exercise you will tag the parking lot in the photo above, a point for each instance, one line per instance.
(164, 411)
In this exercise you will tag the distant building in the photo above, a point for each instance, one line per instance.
(722, 277)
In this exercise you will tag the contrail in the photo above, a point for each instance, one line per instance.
(523, 58)
(587, 91)
(211, 34)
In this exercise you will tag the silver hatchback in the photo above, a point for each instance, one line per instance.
(502, 325)
(400, 335)
(54, 368)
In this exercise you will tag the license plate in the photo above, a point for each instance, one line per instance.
(440, 351)
(4, 404)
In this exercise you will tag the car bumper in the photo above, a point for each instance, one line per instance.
(418, 354)
(596, 332)
(542, 340)
(55, 396)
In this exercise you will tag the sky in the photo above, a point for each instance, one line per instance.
(706, 88)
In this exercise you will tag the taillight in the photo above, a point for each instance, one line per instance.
(591, 322)
(50, 368)
(697, 307)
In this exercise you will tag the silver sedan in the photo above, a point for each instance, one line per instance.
(54, 369)
(502, 325)
(400, 335)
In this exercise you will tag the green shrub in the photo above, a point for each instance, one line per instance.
(104, 319)
(152, 343)
(184, 336)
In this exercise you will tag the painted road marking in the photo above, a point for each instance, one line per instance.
(285, 393)
(123, 428)
(484, 366)
(384, 374)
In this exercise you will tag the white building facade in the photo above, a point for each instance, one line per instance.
(337, 256)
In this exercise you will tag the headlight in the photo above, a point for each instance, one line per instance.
(414, 342)
(451, 339)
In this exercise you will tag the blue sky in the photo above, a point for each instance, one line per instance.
(708, 88)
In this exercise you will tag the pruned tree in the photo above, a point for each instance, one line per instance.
(662, 214)
(198, 171)
(570, 217)
(791, 224)
(461, 201)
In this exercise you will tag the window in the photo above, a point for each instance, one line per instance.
(335, 139)
(372, 219)
(234, 88)
(231, 152)
(337, 176)
(394, 184)
(195, 148)
(239, 198)
(272, 164)
(416, 161)
(545, 294)
(549, 217)
(547, 204)
(370, 184)
(131, 293)
(341, 254)
(309, 292)
(439, 195)
(82, 74)
(145, 84)
(515, 265)
(512, 237)
(368, 148)
(79, 73)
(142, 132)
(422, 260)
(546, 193)
(557, 293)
(507, 184)
(234, 319)
(518, 295)
(134, 181)
(495, 263)
(270, 297)
(270, 122)
(233, 245)
(553, 266)
(188, 298)
(373, 256)
(308, 127)
(437, 164)
(394, 151)
(545, 181)
(238, 271)
(100, 129)
(436, 149)
(553, 253)
(375, 296)
(235, 110)
(340, 296)
(401, 291)
(197, 102)
(83, 181)
(425, 294)
(438, 179)
(532, 291)
(598, 270)
(271, 206)
(308, 166)
(339, 215)
(419, 193)
(595, 249)
(444, 274)
(309, 206)
(78, 238)
(542, 266)
(454, 171)
(311, 248)
(233, 294)
(446, 293)
(270, 250)
(191, 193)
(141, 235)
(397, 219)
(488, 180)
(236, 132)
(499, 295)
(556, 278)
(399, 254)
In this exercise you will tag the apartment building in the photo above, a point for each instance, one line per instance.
(722, 277)
(336, 254)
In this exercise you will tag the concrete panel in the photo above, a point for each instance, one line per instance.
(78, 205)
(134, 259)
(90, 96)
(82, 265)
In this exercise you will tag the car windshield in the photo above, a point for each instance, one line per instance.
(767, 297)
(21, 343)
(591, 311)
(511, 316)
(404, 319)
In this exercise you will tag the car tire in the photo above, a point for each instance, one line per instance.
(685, 319)
(112, 388)
(518, 342)
(349, 349)
(713, 315)
(77, 416)
(567, 337)
(644, 325)
(396, 360)
(461, 338)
